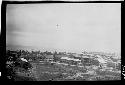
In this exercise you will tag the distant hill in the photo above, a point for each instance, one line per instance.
(17, 47)
(29, 48)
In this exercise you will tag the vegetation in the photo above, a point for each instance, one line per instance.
(38, 68)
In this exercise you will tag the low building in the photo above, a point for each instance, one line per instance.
(49, 57)
(23, 59)
(70, 61)
(100, 59)
(85, 56)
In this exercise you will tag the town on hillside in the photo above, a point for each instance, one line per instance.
(23, 65)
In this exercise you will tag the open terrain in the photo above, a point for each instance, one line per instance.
(50, 70)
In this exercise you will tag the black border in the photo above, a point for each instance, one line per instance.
(3, 41)
(122, 37)
(57, 1)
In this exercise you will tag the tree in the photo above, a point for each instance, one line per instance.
(43, 57)
(95, 62)
(118, 66)
(55, 57)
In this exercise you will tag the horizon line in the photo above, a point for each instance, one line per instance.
(56, 50)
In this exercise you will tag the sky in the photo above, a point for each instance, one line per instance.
(70, 27)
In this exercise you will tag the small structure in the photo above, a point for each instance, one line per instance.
(49, 57)
(23, 59)
(100, 59)
(85, 56)
(70, 59)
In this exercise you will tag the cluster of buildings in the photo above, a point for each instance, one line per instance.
(85, 59)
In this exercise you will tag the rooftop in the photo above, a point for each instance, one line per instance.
(70, 59)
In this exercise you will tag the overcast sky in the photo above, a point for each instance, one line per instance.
(65, 26)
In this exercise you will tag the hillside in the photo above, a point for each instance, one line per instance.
(68, 66)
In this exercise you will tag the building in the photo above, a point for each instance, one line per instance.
(71, 61)
(23, 59)
(67, 58)
(49, 57)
